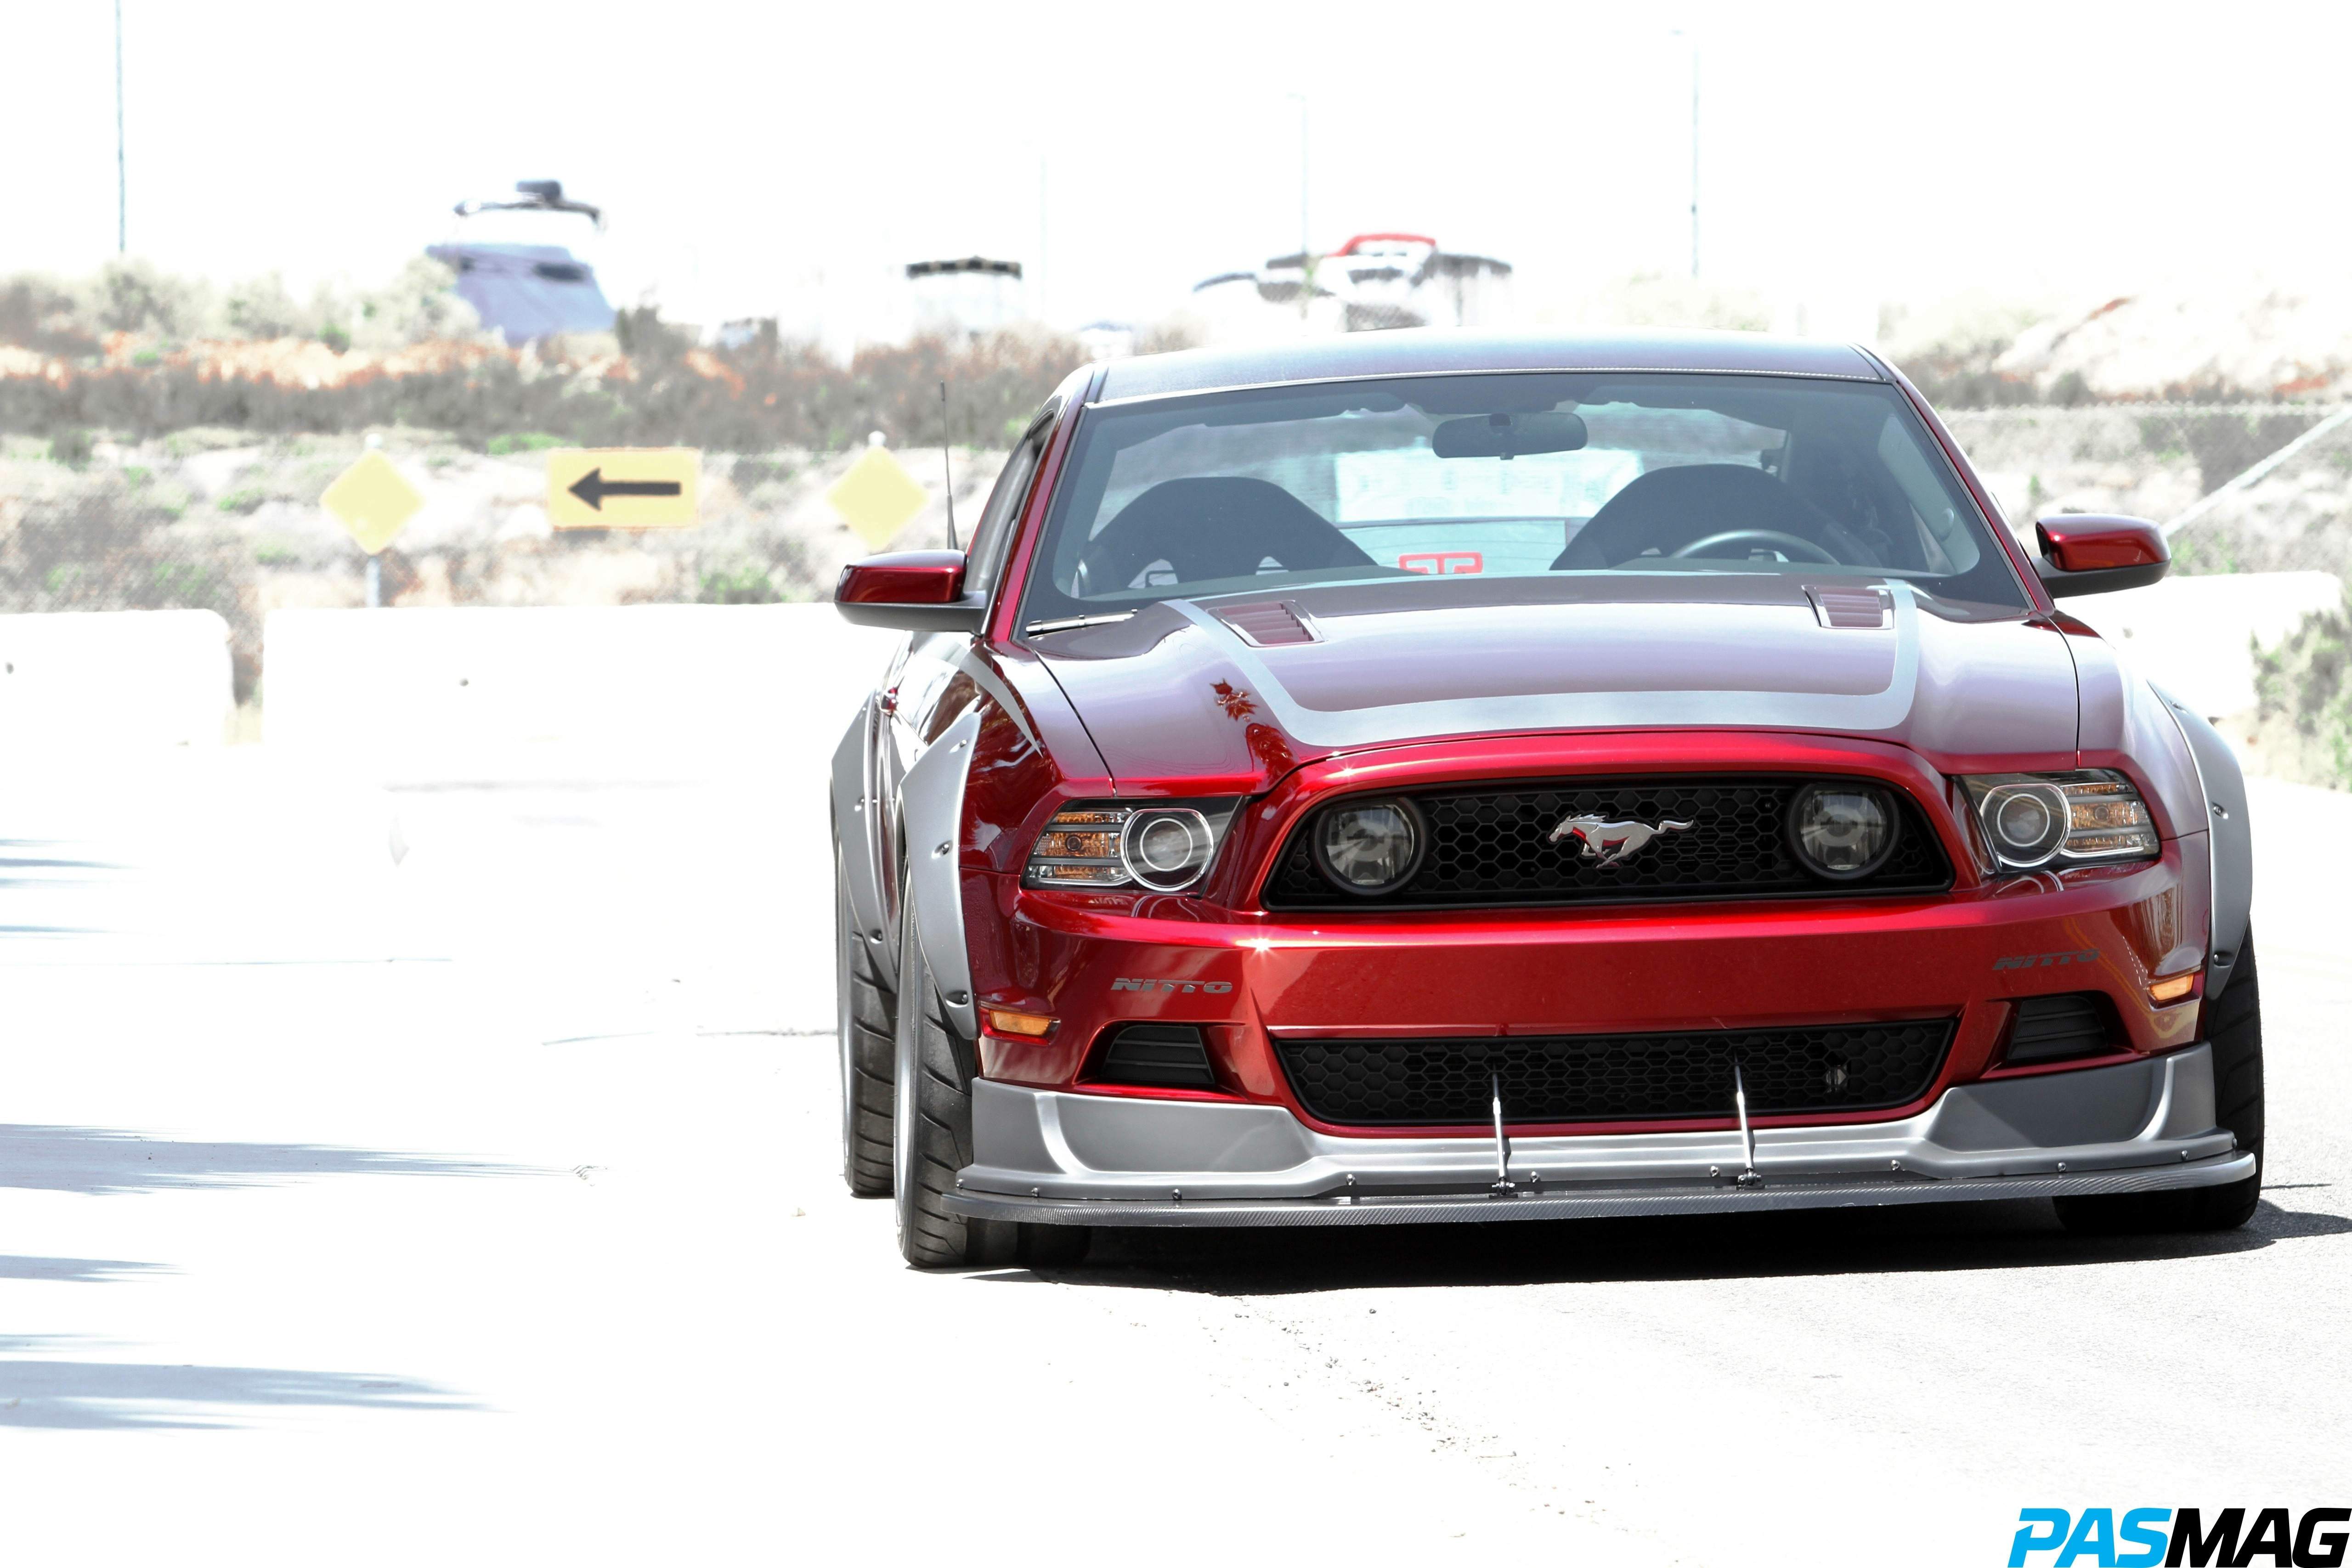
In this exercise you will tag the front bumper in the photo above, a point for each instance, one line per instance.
(1046, 1156)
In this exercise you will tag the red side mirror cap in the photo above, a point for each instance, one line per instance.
(910, 577)
(2085, 553)
(914, 590)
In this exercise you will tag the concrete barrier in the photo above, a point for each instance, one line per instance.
(115, 679)
(650, 692)
(2194, 636)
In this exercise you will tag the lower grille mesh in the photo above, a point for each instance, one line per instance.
(1615, 1078)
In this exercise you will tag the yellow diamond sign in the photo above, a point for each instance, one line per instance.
(877, 496)
(373, 501)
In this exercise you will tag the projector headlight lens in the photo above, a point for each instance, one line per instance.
(2025, 822)
(1115, 845)
(2086, 818)
(1842, 830)
(1166, 849)
(1369, 847)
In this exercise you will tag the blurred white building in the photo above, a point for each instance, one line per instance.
(1109, 339)
(1373, 282)
(965, 297)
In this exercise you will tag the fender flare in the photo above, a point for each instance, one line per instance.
(931, 805)
(855, 830)
(2229, 835)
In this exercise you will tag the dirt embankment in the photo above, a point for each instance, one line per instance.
(647, 384)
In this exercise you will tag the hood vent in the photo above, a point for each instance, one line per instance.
(1270, 625)
(1862, 609)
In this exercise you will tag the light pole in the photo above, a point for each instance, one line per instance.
(121, 178)
(1694, 180)
(1301, 99)
(1306, 252)
(1304, 244)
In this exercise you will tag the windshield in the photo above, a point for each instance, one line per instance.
(1508, 475)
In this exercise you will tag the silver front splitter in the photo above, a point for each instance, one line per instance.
(1598, 1203)
(1091, 1159)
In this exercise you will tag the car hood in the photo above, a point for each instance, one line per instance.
(1244, 688)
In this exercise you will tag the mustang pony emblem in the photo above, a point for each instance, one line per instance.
(1611, 843)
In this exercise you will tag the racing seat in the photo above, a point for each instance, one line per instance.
(1213, 528)
(1667, 508)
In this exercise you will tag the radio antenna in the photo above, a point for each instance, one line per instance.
(947, 473)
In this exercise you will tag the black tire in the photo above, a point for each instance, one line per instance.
(2234, 1027)
(933, 1069)
(863, 1024)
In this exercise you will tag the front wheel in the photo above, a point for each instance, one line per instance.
(862, 1022)
(2234, 1028)
(933, 1069)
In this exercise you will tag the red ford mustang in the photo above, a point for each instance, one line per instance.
(1425, 778)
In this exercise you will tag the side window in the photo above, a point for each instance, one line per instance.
(995, 527)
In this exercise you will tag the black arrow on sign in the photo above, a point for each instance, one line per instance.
(593, 488)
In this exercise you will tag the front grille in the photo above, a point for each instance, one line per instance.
(1492, 847)
(1615, 1078)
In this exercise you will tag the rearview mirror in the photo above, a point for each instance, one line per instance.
(2083, 553)
(911, 591)
(1507, 435)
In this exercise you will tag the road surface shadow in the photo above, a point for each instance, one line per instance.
(2022, 1234)
(81, 1270)
(13, 864)
(119, 1395)
(11, 860)
(97, 1160)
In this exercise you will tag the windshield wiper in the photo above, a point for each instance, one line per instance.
(1073, 622)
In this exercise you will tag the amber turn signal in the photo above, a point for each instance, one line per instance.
(1004, 1021)
(2172, 989)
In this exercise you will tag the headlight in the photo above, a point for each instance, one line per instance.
(1367, 846)
(2069, 818)
(1112, 844)
(1843, 832)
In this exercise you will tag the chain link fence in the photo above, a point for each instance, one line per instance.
(2243, 487)
(2256, 486)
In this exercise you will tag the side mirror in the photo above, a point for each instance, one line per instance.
(2083, 553)
(912, 590)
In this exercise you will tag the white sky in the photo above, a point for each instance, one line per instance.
(788, 159)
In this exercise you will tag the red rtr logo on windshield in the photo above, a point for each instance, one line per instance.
(2047, 960)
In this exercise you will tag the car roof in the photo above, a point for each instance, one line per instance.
(1441, 350)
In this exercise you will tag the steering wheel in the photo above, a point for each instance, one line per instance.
(1771, 537)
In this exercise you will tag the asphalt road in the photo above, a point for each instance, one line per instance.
(480, 1205)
